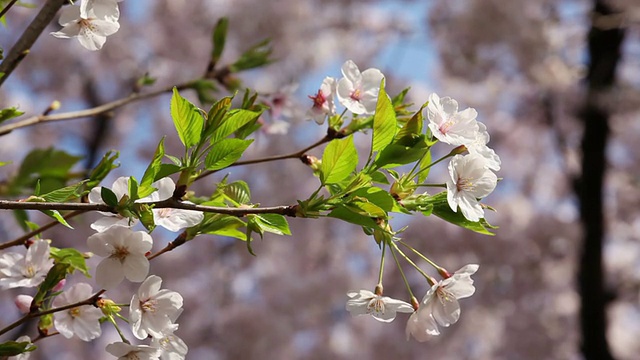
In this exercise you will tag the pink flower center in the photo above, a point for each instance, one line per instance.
(318, 100)
(148, 306)
(446, 126)
(75, 312)
(87, 24)
(376, 305)
(120, 253)
(356, 95)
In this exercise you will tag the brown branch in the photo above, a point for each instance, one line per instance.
(87, 112)
(90, 301)
(28, 38)
(6, 8)
(23, 239)
(288, 210)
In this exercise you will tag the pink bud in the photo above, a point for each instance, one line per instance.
(23, 303)
(59, 286)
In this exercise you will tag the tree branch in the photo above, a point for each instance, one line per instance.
(28, 38)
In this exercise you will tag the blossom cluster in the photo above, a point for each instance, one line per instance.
(439, 306)
(91, 22)
(152, 311)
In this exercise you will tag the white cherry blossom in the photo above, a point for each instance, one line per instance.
(90, 29)
(103, 9)
(469, 179)
(448, 124)
(422, 326)
(382, 308)
(441, 301)
(124, 351)
(168, 218)
(153, 310)
(124, 252)
(323, 103)
(120, 188)
(171, 346)
(358, 91)
(18, 270)
(23, 303)
(479, 146)
(81, 321)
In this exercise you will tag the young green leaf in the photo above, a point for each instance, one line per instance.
(56, 215)
(13, 348)
(225, 152)
(442, 210)
(108, 196)
(9, 113)
(339, 159)
(67, 193)
(423, 167)
(384, 121)
(58, 272)
(233, 120)
(187, 119)
(72, 257)
(273, 223)
(152, 170)
(103, 169)
(219, 38)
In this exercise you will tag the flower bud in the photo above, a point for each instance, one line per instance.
(23, 303)
(59, 286)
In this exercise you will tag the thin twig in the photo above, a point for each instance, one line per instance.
(28, 38)
(6, 8)
(87, 112)
(22, 239)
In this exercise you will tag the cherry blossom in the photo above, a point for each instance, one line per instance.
(323, 103)
(441, 301)
(124, 351)
(168, 218)
(479, 146)
(449, 125)
(357, 91)
(124, 252)
(23, 303)
(171, 346)
(84, 23)
(17, 270)
(422, 326)
(81, 321)
(469, 180)
(103, 9)
(120, 188)
(153, 310)
(382, 308)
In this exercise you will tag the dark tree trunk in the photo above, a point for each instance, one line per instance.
(604, 56)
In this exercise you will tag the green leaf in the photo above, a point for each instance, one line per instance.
(219, 224)
(377, 196)
(56, 215)
(133, 189)
(379, 178)
(273, 223)
(152, 171)
(345, 214)
(12, 348)
(401, 153)
(442, 210)
(384, 121)
(238, 191)
(187, 119)
(166, 170)
(3, 163)
(225, 152)
(145, 214)
(339, 160)
(21, 217)
(108, 196)
(67, 193)
(72, 257)
(58, 272)
(424, 167)
(219, 38)
(103, 169)
(9, 113)
(49, 166)
(232, 121)
(256, 56)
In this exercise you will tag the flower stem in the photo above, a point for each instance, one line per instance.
(384, 247)
(421, 255)
(426, 276)
(404, 277)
